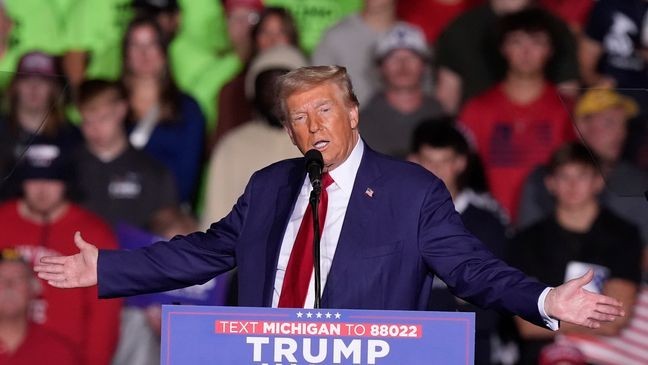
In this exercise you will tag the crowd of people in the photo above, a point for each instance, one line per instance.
(139, 120)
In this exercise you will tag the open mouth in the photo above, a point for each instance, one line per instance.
(320, 145)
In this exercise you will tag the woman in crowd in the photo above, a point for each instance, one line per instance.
(164, 122)
(275, 27)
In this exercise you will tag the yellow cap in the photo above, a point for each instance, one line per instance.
(10, 254)
(597, 100)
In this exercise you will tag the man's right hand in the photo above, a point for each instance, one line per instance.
(73, 271)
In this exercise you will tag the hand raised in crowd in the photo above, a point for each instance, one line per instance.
(79, 270)
(571, 303)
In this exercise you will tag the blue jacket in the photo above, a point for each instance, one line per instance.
(390, 245)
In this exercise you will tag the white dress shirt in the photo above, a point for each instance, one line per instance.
(339, 194)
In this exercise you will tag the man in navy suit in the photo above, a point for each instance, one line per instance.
(390, 225)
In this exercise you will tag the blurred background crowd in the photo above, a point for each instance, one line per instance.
(134, 121)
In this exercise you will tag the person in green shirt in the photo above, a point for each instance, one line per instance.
(93, 38)
(95, 29)
(202, 56)
(200, 69)
(38, 25)
(29, 25)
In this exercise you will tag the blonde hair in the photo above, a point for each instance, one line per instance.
(306, 78)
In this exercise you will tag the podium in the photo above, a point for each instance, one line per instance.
(200, 335)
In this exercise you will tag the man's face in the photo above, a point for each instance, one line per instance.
(103, 118)
(15, 289)
(604, 132)
(574, 184)
(319, 118)
(526, 53)
(42, 195)
(402, 69)
(444, 162)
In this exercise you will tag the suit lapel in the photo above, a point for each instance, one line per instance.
(285, 201)
(362, 207)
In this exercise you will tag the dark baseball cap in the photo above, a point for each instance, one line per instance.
(45, 161)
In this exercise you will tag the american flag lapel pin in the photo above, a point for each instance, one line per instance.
(369, 192)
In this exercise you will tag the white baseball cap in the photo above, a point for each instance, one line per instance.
(402, 36)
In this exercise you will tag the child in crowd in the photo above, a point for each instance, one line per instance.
(579, 235)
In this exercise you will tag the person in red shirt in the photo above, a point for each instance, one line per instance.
(432, 15)
(515, 125)
(23, 342)
(42, 223)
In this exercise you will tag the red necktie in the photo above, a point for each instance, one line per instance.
(300, 263)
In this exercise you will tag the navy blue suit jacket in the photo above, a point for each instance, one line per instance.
(390, 244)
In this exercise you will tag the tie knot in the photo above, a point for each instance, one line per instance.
(327, 180)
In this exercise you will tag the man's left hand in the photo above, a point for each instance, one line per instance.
(569, 302)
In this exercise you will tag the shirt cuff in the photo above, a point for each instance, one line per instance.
(551, 323)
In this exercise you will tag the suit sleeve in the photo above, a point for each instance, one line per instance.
(181, 262)
(465, 264)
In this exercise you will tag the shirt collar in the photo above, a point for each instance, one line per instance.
(345, 174)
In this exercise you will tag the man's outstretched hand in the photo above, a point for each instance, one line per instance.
(569, 302)
(73, 271)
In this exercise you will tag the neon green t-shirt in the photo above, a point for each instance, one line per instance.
(202, 73)
(97, 27)
(38, 24)
(200, 54)
(8, 65)
(204, 22)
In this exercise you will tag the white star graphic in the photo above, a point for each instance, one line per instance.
(319, 315)
(328, 314)
(309, 315)
(337, 315)
(299, 314)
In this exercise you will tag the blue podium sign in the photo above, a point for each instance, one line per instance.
(268, 336)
